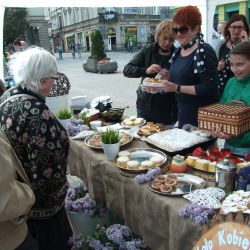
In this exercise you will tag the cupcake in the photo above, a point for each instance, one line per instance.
(122, 161)
(146, 164)
(124, 153)
(132, 164)
(157, 160)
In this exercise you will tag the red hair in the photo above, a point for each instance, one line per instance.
(188, 16)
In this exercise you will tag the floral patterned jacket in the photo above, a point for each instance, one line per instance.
(41, 143)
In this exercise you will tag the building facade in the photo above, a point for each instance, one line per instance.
(117, 25)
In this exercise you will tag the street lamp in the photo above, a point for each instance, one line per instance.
(60, 28)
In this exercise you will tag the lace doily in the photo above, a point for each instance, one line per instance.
(209, 197)
(239, 201)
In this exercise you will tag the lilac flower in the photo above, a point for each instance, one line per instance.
(96, 244)
(149, 176)
(126, 231)
(197, 213)
(129, 245)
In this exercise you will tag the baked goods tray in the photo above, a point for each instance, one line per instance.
(206, 144)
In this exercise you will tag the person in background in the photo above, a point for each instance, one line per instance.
(60, 51)
(238, 88)
(219, 34)
(193, 72)
(236, 30)
(78, 49)
(148, 62)
(40, 142)
(73, 50)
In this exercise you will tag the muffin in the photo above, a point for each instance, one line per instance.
(122, 161)
(146, 164)
(157, 160)
(124, 153)
(133, 164)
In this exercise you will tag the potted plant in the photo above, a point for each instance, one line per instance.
(64, 116)
(85, 213)
(97, 52)
(111, 143)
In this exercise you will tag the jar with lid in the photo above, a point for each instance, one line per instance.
(226, 175)
(178, 164)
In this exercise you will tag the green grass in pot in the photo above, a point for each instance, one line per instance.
(110, 136)
(63, 114)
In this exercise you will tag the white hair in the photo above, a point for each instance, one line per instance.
(28, 67)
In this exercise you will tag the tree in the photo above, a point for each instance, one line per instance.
(15, 23)
(97, 45)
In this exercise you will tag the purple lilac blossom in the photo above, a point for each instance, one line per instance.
(129, 245)
(149, 176)
(96, 244)
(197, 213)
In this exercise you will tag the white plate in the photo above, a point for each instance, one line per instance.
(126, 138)
(153, 84)
(142, 154)
(133, 126)
(83, 135)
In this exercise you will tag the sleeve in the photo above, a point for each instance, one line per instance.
(136, 67)
(16, 198)
(209, 78)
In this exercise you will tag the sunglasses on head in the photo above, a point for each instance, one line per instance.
(182, 30)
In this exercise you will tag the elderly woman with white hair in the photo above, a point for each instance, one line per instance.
(40, 142)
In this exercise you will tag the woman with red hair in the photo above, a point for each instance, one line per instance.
(193, 71)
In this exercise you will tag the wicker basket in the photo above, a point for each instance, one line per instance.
(233, 119)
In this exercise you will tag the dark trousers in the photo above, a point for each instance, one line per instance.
(52, 233)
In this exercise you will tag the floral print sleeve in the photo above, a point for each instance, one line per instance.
(42, 145)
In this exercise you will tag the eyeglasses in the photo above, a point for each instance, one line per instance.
(236, 27)
(182, 30)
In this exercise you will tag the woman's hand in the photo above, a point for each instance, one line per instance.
(218, 132)
(221, 65)
(154, 68)
(164, 74)
(243, 36)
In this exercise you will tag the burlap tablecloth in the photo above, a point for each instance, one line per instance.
(155, 217)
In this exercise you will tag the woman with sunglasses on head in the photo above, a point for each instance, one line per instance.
(235, 31)
(149, 62)
(193, 72)
(40, 142)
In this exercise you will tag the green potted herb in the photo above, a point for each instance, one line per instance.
(110, 143)
(64, 116)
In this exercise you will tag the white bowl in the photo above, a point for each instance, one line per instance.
(95, 124)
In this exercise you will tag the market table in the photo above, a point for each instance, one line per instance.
(155, 217)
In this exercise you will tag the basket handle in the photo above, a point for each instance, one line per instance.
(239, 103)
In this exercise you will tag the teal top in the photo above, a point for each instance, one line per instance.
(238, 90)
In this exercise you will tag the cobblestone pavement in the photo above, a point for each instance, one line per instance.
(122, 90)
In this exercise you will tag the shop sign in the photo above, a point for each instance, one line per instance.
(131, 30)
(225, 236)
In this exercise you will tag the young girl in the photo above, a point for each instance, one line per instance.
(238, 88)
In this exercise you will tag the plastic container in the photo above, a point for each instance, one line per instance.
(178, 164)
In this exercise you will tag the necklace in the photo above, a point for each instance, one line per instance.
(190, 44)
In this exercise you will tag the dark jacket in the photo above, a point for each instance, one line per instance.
(41, 143)
(162, 103)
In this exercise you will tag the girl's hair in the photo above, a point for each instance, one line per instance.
(242, 49)
(164, 27)
(188, 16)
(235, 18)
(30, 66)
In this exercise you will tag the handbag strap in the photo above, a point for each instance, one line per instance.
(18, 167)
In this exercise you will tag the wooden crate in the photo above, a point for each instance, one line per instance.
(234, 119)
